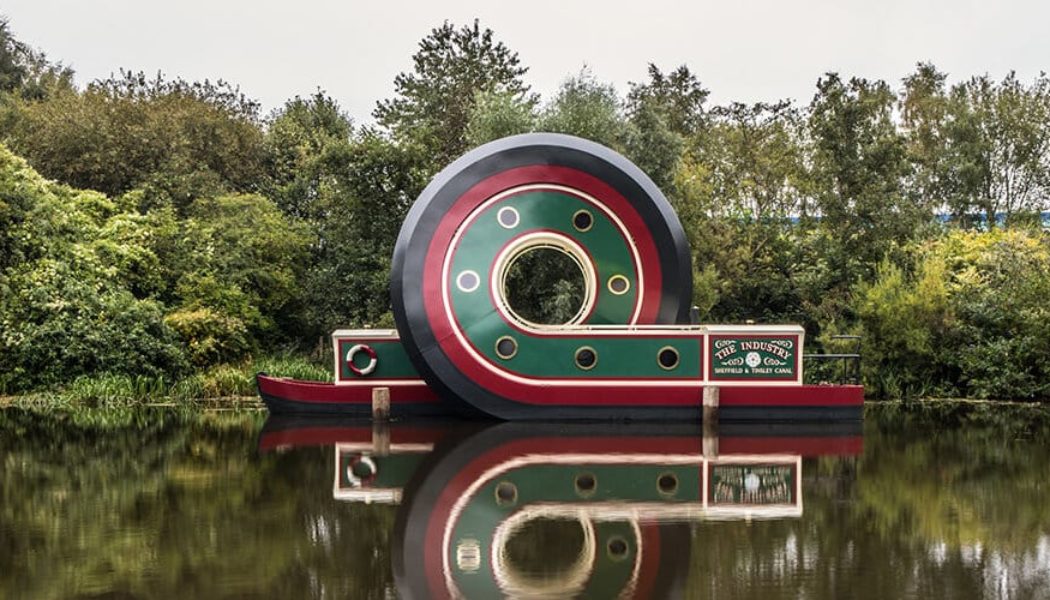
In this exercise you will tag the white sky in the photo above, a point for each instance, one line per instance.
(748, 50)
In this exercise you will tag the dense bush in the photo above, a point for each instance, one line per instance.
(969, 318)
(67, 305)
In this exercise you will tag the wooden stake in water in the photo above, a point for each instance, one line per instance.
(381, 403)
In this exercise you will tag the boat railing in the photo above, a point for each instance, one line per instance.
(850, 361)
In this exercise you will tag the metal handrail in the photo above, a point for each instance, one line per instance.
(845, 357)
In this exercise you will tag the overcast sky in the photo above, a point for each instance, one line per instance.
(743, 50)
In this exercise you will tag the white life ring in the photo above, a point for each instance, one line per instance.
(373, 360)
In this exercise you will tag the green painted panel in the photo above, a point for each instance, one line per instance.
(392, 363)
(544, 211)
(627, 357)
(744, 357)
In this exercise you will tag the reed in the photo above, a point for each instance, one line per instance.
(119, 392)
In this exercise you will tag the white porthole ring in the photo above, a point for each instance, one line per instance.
(531, 241)
(373, 360)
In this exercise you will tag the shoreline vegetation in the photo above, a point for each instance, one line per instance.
(228, 386)
(154, 244)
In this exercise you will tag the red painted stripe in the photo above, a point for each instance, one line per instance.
(318, 392)
(650, 561)
(802, 395)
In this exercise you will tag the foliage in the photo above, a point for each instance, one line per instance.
(25, 73)
(497, 115)
(69, 306)
(677, 96)
(587, 108)
(904, 320)
(177, 139)
(858, 164)
(433, 103)
(372, 190)
(971, 319)
(304, 142)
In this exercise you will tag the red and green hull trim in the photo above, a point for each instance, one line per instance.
(350, 395)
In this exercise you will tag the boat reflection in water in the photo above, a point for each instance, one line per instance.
(557, 510)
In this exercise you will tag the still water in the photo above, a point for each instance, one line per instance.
(240, 507)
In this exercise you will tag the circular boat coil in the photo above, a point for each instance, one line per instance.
(617, 548)
(506, 493)
(667, 484)
(508, 217)
(586, 484)
(492, 206)
(368, 369)
(360, 470)
(468, 281)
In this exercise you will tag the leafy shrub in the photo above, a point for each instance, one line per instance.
(75, 298)
(210, 337)
(970, 319)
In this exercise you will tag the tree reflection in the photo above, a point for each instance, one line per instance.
(183, 507)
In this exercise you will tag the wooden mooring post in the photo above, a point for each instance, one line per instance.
(381, 403)
(710, 421)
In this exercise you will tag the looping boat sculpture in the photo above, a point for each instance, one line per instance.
(627, 353)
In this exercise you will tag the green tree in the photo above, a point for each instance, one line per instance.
(587, 108)
(500, 114)
(924, 111)
(176, 139)
(238, 263)
(678, 96)
(740, 186)
(26, 73)
(433, 103)
(859, 163)
(77, 287)
(303, 139)
(373, 184)
(999, 146)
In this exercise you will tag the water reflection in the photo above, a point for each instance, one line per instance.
(533, 510)
(210, 508)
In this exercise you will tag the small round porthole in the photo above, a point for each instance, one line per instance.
(582, 220)
(468, 281)
(506, 347)
(586, 358)
(619, 285)
(506, 493)
(585, 484)
(667, 358)
(617, 548)
(508, 217)
(667, 484)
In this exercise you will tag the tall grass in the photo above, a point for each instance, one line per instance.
(219, 382)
